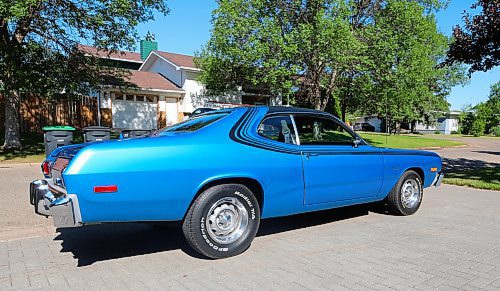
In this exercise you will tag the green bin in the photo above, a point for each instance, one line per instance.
(56, 136)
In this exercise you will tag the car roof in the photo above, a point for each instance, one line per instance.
(290, 109)
(271, 110)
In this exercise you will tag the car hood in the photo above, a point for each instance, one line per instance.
(389, 151)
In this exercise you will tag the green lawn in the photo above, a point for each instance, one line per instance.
(481, 178)
(33, 150)
(406, 141)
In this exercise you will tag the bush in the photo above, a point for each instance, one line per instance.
(496, 130)
(478, 126)
(455, 132)
(437, 132)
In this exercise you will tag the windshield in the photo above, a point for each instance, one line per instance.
(194, 123)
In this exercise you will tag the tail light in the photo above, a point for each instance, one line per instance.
(46, 168)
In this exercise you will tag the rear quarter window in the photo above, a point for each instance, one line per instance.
(194, 123)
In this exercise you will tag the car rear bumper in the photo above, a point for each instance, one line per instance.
(438, 179)
(54, 201)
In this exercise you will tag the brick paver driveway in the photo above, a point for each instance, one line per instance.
(453, 242)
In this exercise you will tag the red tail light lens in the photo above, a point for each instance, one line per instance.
(105, 189)
(46, 168)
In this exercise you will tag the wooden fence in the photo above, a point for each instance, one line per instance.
(36, 112)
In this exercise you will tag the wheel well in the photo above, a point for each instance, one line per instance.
(252, 184)
(420, 172)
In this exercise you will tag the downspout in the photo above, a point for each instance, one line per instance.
(99, 108)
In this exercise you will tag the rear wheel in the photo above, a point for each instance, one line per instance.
(223, 221)
(406, 196)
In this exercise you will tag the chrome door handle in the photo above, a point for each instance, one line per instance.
(308, 155)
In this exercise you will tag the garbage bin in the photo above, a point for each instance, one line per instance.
(56, 136)
(128, 133)
(96, 133)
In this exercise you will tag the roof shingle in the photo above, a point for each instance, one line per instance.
(121, 55)
(149, 80)
(178, 59)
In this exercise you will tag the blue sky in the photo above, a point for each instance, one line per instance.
(187, 28)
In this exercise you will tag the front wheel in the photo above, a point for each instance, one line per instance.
(223, 221)
(406, 196)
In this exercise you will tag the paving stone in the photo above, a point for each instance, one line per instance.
(450, 244)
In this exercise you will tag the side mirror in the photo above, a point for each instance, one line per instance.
(356, 142)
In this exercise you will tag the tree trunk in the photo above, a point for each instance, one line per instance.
(317, 98)
(12, 136)
(344, 111)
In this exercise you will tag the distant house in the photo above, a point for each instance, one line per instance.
(166, 88)
(445, 125)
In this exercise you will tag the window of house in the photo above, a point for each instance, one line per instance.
(139, 98)
(129, 97)
(151, 99)
(118, 96)
(315, 130)
(278, 128)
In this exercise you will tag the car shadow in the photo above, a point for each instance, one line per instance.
(103, 242)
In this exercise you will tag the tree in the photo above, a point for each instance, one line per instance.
(484, 118)
(287, 47)
(376, 57)
(409, 84)
(39, 52)
(478, 43)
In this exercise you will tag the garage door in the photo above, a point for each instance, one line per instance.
(135, 112)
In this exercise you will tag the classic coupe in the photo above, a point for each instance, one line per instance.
(220, 173)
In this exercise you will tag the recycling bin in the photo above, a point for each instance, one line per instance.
(96, 133)
(129, 133)
(56, 136)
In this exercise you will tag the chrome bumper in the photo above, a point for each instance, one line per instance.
(63, 207)
(438, 179)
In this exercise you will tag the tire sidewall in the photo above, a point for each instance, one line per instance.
(209, 246)
(407, 176)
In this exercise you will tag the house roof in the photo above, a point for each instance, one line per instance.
(149, 80)
(119, 55)
(178, 59)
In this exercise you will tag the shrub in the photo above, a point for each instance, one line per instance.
(478, 126)
(496, 130)
(437, 132)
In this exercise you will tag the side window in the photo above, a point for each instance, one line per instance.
(278, 128)
(321, 131)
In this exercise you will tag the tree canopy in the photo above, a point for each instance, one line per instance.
(38, 46)
(483, 118)
(375, 57)
(478, 43)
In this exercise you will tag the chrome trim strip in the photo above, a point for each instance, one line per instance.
(297, 140)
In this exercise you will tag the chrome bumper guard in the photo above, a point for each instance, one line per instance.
(438, 180)
(47, 201)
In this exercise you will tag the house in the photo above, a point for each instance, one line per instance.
(446, 124)
(165, 88)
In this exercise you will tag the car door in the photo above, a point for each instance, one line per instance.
(334, 167)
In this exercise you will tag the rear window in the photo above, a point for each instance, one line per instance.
(195, 123)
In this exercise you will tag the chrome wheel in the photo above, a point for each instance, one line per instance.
(410, 193)
(227, 220)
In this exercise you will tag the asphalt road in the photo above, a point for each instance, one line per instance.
(452, 243)
(479, 152)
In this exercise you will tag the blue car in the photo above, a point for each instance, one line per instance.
(222, 172)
